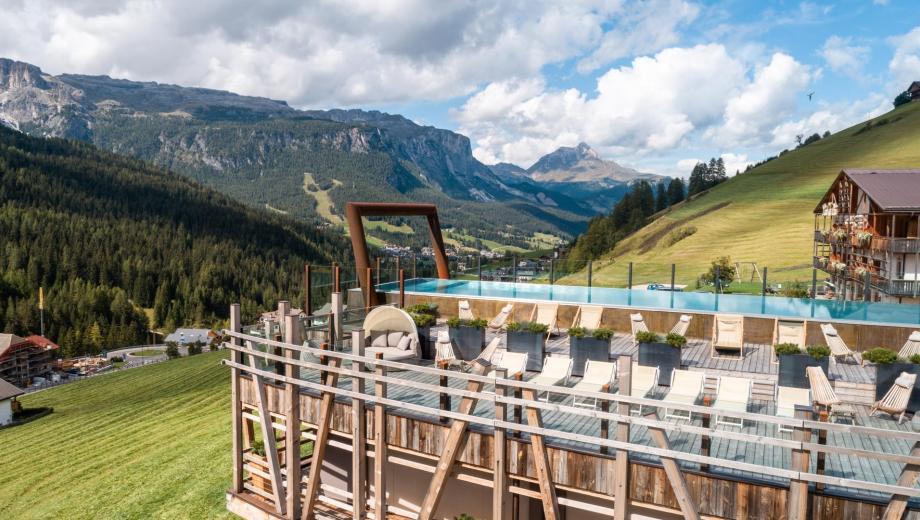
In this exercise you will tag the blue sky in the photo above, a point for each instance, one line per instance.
(654, 84)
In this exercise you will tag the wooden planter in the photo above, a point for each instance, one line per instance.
(885, 376)
(660, 355)
(469, 341)
(792, 369)
(531, 343)
(587, 348)
(425, 339)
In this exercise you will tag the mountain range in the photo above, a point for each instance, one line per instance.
(309, 163)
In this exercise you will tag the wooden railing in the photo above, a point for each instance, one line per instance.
(361, 370)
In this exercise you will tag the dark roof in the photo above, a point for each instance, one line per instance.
(8, 390)
(914, 86)
(42, 342)
(892, 190)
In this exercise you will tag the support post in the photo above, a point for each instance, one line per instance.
(814, 282)
(444, 397)
(763, 289)
(672, 470)
(268, 436)
(706, 440)
(370, 289)
(500, 480)
(629, 276)
(284, 309)
(292, 421)
(552, 271)
(323, 431)
(590, 272)
(541, 461)
(380, 445)
(718, 279)
(307, 290)
(908, 478)
(798, 489)
(514, 268)
(821, 456)
(337, 276)
(605, 426)
(414, 264)
(673, 275)
(402, 289)
(236, 325)
(867, 287)
(479, 266)
(337, 304)
(358, 434)
(621, 464)
(378, 272)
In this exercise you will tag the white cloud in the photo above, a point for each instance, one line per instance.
(844, 58)
(905, 64)
(833, 118)
(735, 162)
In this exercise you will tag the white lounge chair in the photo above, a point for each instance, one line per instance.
(911, 347)
(545, 314)
(597, 378)
(894, 403)
(501, 318)
(727, 334)
(465, 311)
(515, 363)
(643, 380)
(556, 372)
(445, 356)
(686, 388)
(787, 398)
(733, 394)
(588, 317)
(839, 348)
(788, 331)
(683, 323)
(637, 324)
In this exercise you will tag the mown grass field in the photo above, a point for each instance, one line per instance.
(765, 215)
(151, 442)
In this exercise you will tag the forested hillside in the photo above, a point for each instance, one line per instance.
(107, 236)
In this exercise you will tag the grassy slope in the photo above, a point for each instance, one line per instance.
(151, 442)
(769, 217)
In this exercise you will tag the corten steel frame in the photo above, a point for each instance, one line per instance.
(354, 211)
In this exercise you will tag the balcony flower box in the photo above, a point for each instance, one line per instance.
(861, 272)
(864, 239)
(468, 336)
(839, 267)
(793, 362)
(662, 354)
(584, 347)
(840, 236)
(529, 338)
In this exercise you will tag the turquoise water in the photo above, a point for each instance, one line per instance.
(806, 308)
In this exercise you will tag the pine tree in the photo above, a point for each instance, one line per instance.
(675, 191)
(698, 179)
(661, 198)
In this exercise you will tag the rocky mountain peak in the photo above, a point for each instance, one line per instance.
(16, 74)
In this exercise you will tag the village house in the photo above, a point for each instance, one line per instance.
(22, 359)
(8, 395)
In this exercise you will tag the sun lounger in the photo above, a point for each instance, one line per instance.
(545, 313)
(556, 371)
(727, 334)
(588, 317)
(515, 363)
(894, 403)
(637, 324)
(445, 357)
(501, 318)
(643, 380)
(597, 378)
(686, 388)
(911, 347)
(787, 398)
(683, 323)
(465, 311)
(839, 348)
(733, 394)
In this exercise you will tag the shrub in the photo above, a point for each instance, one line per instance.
(423, 308)
(194, 349)
(915, 359)
(214, 347)
(644, 336)
(422, 320)
(453, 322)
(784, 349)
(578, 332)
(880, 356)
(795, 290)
(514, 326)
(478, 323)
(818, 352)
(258, 447)
(116, 359)
(675, 340)
(172, 350)
(524, 326)
(537, 328)
(603, 334)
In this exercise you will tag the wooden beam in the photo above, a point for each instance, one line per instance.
(358, 434)
(798, 489)
(455, 437)
(236, 408)
(499, 469)
(621, 464)
(380, 445)
(672, 470)
(541, 461)
(268, 435)
(292, 422)
(323, 430)
(908, 478)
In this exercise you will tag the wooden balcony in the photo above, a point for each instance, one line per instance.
(896, 245)
(902, 288)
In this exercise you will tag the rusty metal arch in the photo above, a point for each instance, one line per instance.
(355, 211)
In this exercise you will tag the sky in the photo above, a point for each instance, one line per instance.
(653, 84)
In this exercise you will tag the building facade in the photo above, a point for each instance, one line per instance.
(22, 359)
(866, 235)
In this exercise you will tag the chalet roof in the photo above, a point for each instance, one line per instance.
(7, 341)
(8, 390)
(42, 342)
(915, 86)
(894, 191)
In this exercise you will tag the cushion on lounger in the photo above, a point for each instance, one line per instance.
(379, 339)
(636, 317)
(404, 342)
(684, 318)
(830, 330)
(394, 338)
(915, 336)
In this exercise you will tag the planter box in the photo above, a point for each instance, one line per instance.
(792, 369)
(660, 355)
(425, 340)
(587, 348)
(534, 345)
(469, 341)
(885, 376)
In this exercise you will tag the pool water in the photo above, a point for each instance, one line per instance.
(805, 308)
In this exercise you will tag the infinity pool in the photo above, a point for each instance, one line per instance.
(806, 308)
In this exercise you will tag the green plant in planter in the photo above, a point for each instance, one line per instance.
(454, 322)
(915, 359)
(537, 328)
(478, 323)
(675, 340)
(644, 336)
(423, 308)
(514, 326)
(880, 356)
(818, 352)
(864, 238)
(602, 334)
(578, 332)
(258, 447)
(785, 349)
(422, 320)
(840, 235)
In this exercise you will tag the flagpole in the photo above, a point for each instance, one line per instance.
(41, 309)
